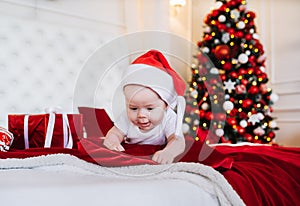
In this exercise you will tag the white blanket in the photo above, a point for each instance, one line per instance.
(204, 177)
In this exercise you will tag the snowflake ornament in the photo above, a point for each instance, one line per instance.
(235, 14)
(225, 37)
(254, 118)
(230, 85)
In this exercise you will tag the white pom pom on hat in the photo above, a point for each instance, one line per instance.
(152, 70)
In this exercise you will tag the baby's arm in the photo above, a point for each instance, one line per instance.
(113, 139)
(174, 147)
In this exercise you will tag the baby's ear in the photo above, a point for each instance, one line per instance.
(167, 106)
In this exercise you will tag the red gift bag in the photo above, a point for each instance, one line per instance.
(45, 130)
(96, 121)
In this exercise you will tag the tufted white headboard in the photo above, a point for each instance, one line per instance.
(40, 62)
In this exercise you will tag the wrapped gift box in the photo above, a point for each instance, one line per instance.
(30, 131)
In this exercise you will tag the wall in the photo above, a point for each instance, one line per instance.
(281, 35)
(94, 15)
(44, 47)
(141, 15)
(158, 16)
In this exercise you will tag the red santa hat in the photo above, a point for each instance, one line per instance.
(153, 70)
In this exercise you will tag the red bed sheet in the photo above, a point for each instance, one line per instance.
(261, 175)
(264, 175)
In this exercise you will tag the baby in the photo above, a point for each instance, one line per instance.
(152, 90)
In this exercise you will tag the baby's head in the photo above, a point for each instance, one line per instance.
(151, 78)
(144, 107)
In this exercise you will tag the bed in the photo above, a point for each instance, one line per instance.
(92, 175)
(231, 175)
(65, 180)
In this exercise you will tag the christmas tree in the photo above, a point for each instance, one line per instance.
(228, 100)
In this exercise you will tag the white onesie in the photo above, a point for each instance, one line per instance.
(156, 136)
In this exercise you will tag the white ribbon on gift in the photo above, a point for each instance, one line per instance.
(26, 142)
(68, 140)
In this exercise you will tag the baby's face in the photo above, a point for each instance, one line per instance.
(145, 108)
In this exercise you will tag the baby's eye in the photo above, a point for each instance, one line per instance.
(133, 108)
(150, 108)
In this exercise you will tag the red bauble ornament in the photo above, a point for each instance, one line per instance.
(230, 30)
(207, 18)
(258, 71)
(235, 50)
(209, 116)
(271, 135)
(250, 70)
(253, 90)
(232, 4)
(248, 137)
(240, 89)
(252, 60)
(244, 81)
(263, 88)
(233, 112)
(207, 37)
(217, 24)
(243, 115)
(271, 109)
(227, 66)
(259, 46)
(248, 37)
(247, 103)
(234, 75)
(250, 24)
(231, 121)
(222, 27)
(199, 43)
(222, 52)
(223, 77)
(239, 34)
(240, 130)
(242, 71)
(250, 15)
(201, 114)
(223, 8)
(262, 76)
(215, 13)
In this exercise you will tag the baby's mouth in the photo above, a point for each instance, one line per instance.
(143, 125)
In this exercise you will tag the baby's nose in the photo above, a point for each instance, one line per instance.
(143, 112)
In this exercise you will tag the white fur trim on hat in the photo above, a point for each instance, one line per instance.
(156, 79)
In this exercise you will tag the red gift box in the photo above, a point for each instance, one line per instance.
(45, 130)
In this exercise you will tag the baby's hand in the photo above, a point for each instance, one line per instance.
(113, 144)
(163, 157)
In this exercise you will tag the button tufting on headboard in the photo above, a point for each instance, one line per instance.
(40, 62)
